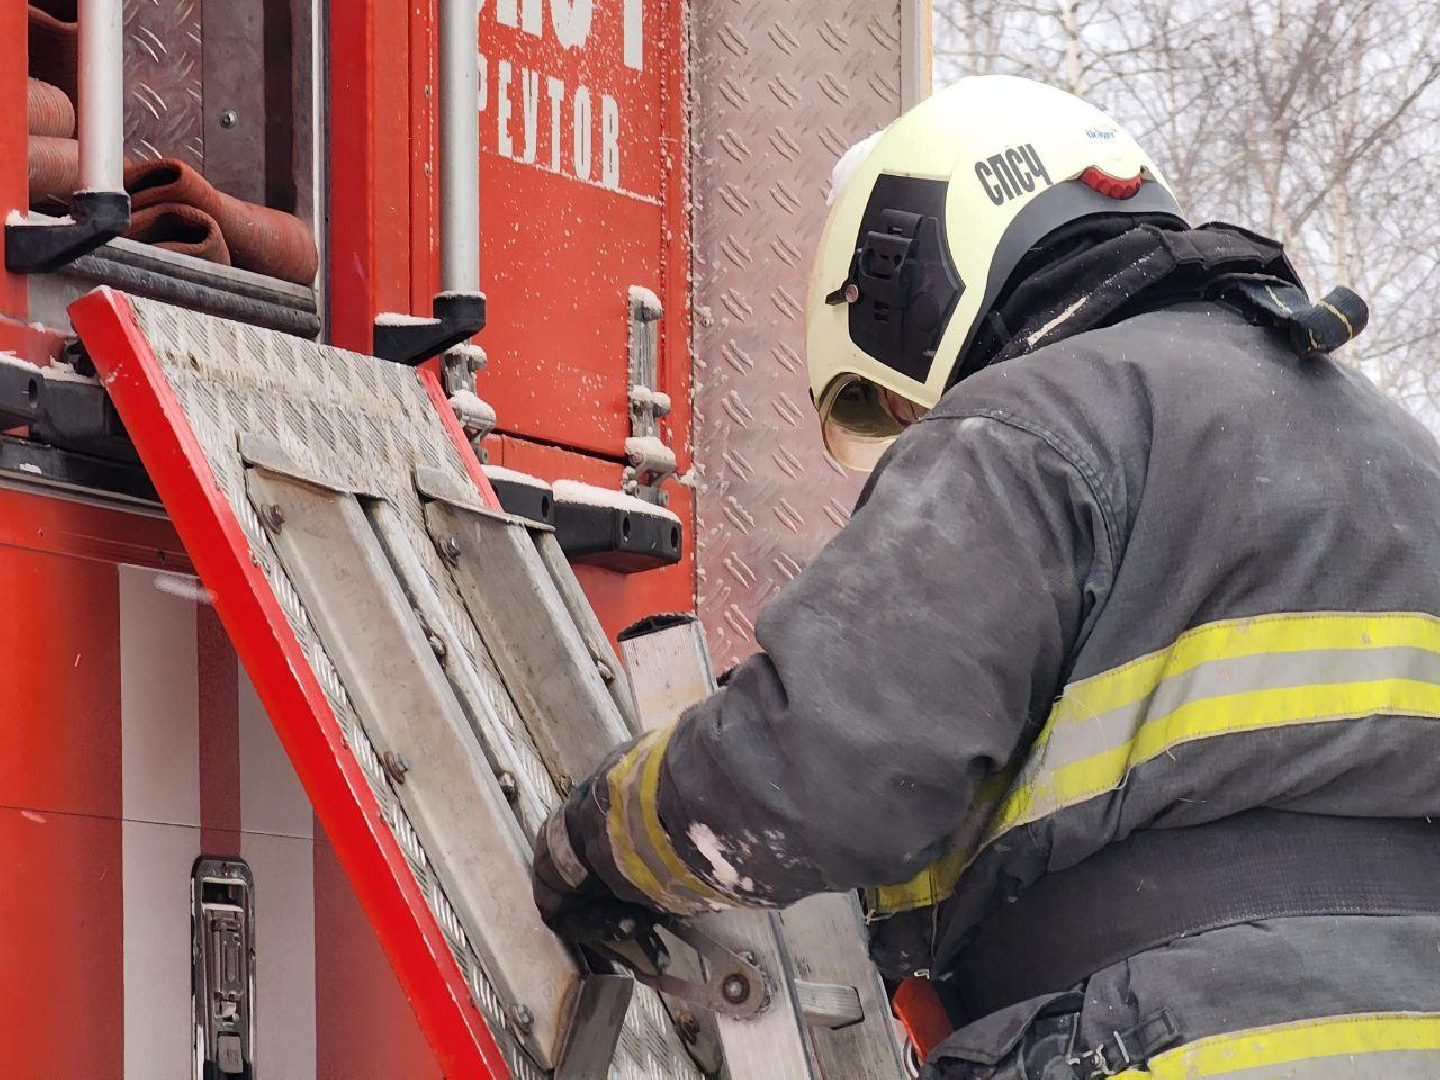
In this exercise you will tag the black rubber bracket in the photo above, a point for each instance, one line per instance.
(457, 317)
(32, 247)
(533, 502)
(64, 412)
(616, 538)
(75, 471)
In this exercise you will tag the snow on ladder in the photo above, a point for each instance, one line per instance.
(434, 672)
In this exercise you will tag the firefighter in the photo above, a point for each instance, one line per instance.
(1118, 695)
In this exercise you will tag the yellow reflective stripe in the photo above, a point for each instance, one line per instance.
(925, 889)
(649, 802)
(1234, 638)
(1257, 709)
(938, 880)
(622, 846)
(1303, 1040)
(648, 859)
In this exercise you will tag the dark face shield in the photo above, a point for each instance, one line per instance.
(859, 421)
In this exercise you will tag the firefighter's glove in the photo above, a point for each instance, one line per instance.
(579, 906)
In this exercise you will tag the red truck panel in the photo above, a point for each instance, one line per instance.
(568, 224)
(143, 745)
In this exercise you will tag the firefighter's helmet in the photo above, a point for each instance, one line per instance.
(928, 219)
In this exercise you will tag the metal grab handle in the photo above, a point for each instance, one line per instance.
(458, 309)
(100, 110)
(100, 209)
(459, 146)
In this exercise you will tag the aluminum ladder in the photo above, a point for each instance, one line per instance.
(440, 682)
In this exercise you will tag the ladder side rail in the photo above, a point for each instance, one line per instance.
(588, 624)
(440, 777)
(532, 796)
(518, 612)
(670, 671)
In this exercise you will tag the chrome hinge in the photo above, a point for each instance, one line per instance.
(459, 370)
(650, 460)
(222, 929)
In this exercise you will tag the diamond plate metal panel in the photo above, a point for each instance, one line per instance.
(164, 108)
(781, 90)
(356, 423)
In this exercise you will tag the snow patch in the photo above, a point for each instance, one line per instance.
(20, 217)
(648, 450)
(470, 351)
(849, 163)
(28, 467)
(399, 318)
(642, 397)
(573, 491)
(510, 476)
(639, 294)
(183, 586)
(1058, 320)
(55, 372)
(708, 844)
(471, 408)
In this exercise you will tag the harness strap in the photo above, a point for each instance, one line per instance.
(1160, 885)
(1315, 329)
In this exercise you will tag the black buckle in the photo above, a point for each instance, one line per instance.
(1125, 1049)
(881, 264)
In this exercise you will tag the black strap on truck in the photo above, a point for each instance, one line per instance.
(1164, 884)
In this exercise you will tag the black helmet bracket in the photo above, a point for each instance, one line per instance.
(903, 285)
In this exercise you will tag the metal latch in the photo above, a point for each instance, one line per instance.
(223, 968)
(650, 460)
(459, 368)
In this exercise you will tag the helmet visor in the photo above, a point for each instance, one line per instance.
(857, 423)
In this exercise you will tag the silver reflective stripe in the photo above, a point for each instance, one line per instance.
(1222, 678)
(557, 840)
(1083, 736)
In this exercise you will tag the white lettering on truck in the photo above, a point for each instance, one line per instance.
(572, 152)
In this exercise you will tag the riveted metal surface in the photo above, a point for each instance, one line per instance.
(164, 114)
(354, 423)
(782, 90)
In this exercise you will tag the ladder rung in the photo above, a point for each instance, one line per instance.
(829, 1005)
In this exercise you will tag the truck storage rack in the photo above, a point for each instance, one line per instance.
(439, 682)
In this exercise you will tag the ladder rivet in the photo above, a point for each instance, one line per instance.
(274, 517)
(437, 646)
(523, 1017)
(395, 766)
(451, 548)
(604, 669)
(508, 787)
(735, 988)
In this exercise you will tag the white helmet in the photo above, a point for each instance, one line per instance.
(923, 233)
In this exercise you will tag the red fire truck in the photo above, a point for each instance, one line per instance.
(635, 186)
